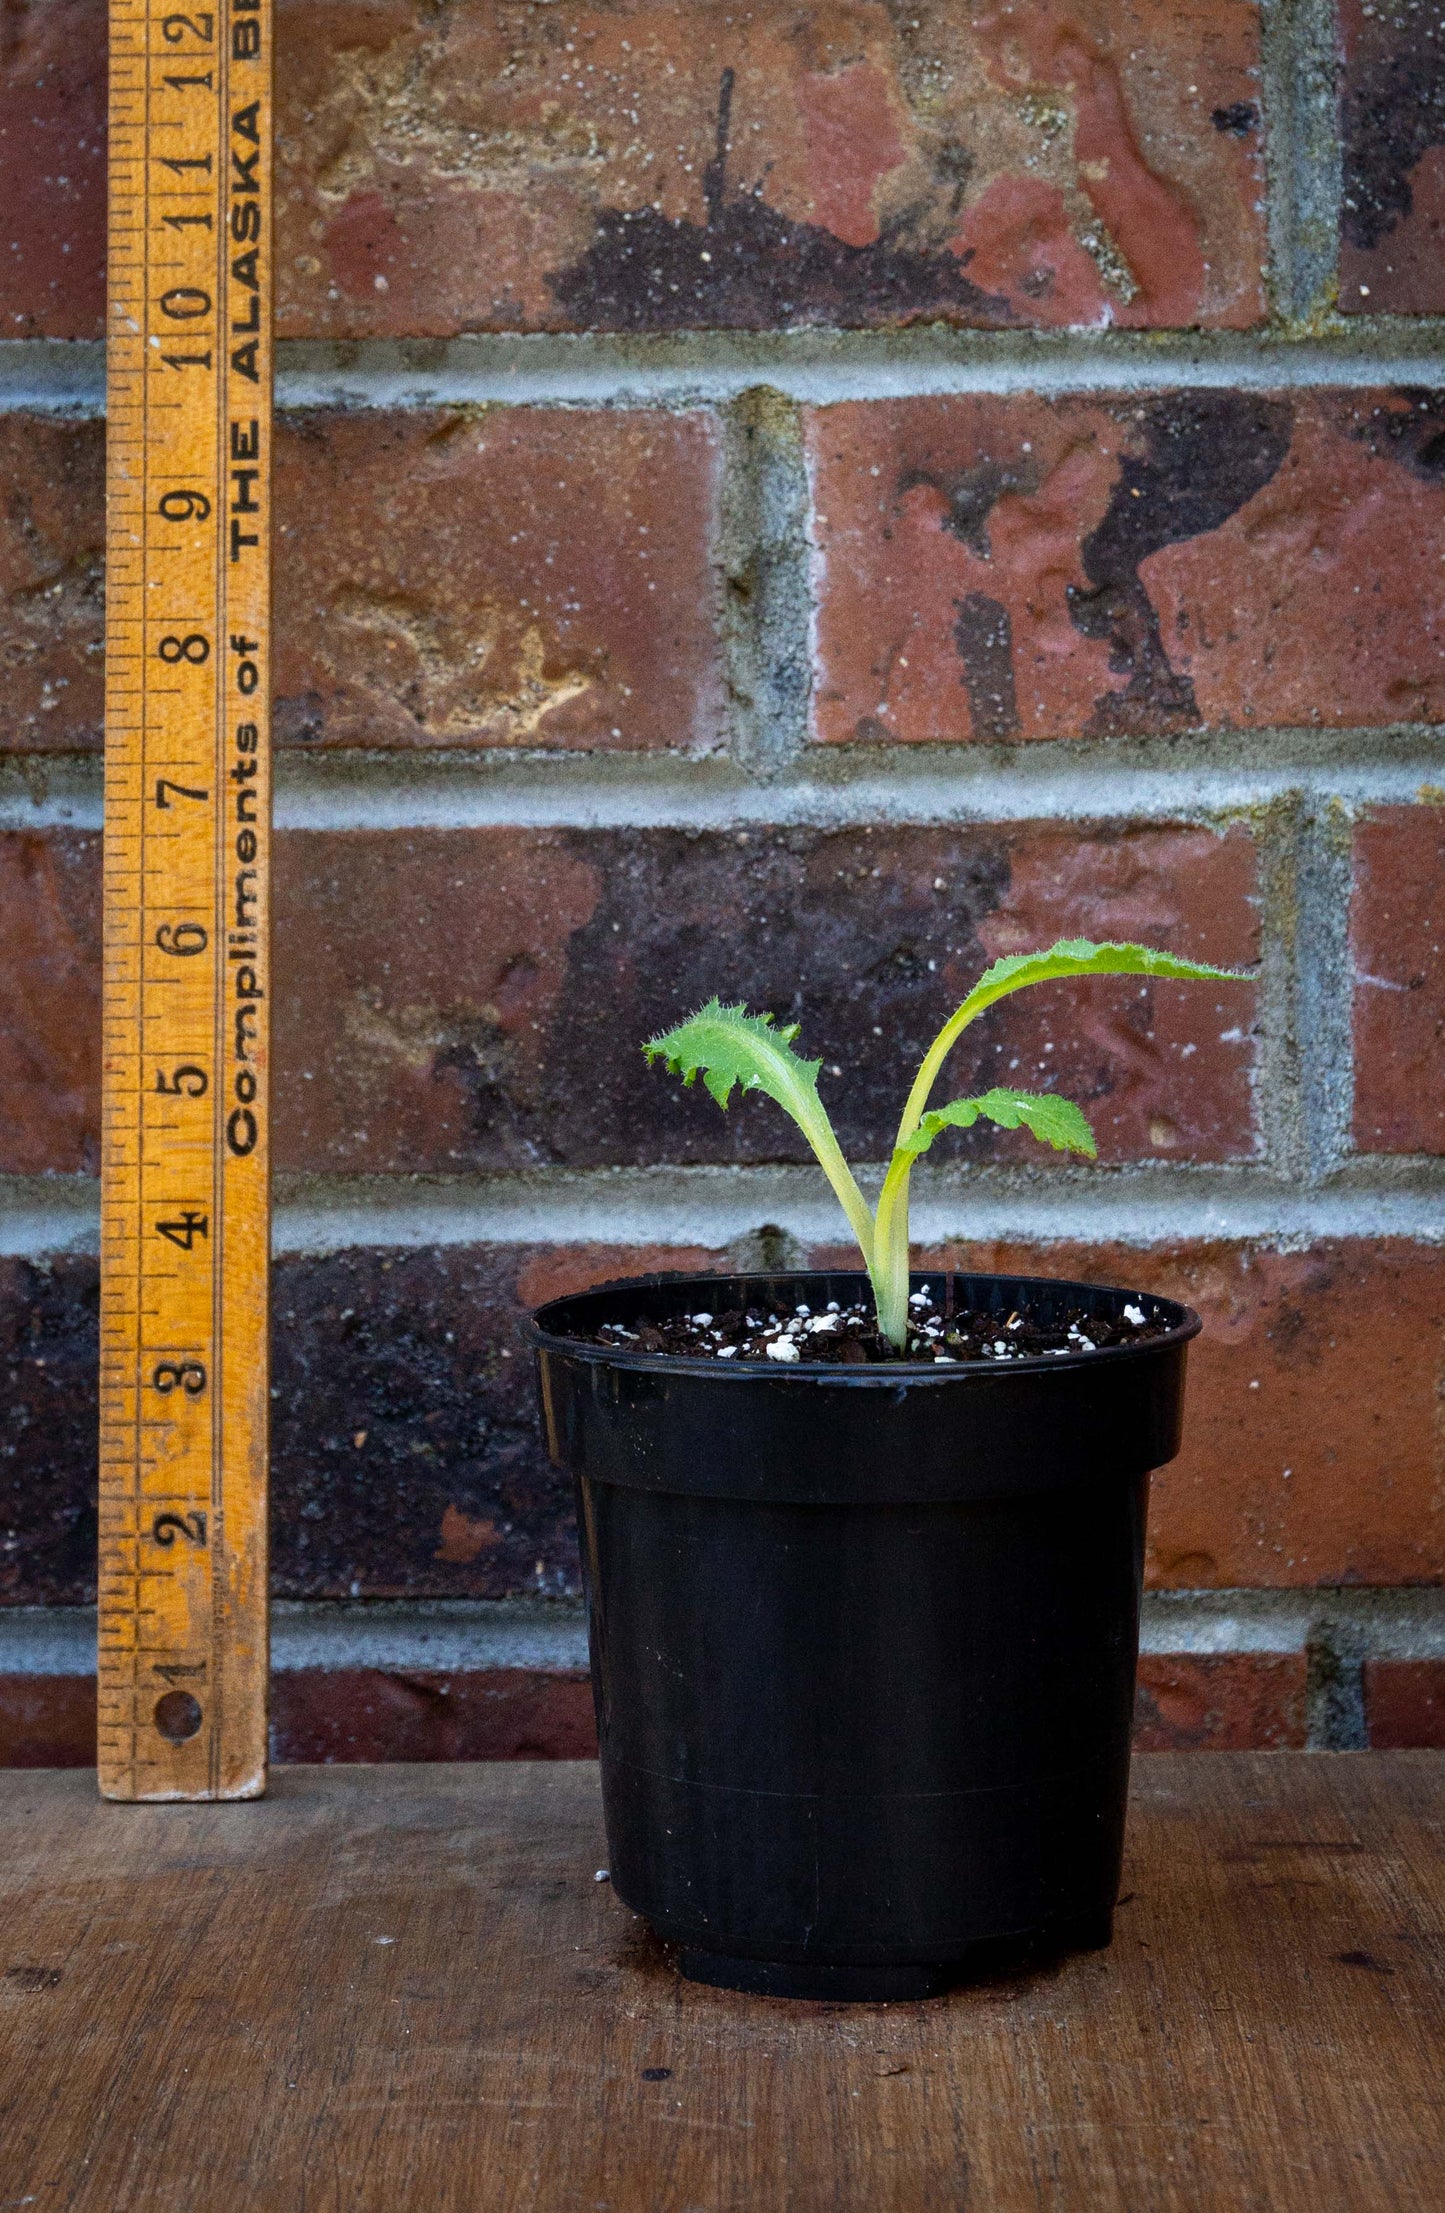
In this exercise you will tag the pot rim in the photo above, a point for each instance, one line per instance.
(882, 1375)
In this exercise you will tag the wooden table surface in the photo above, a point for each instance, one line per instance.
(401, 1988)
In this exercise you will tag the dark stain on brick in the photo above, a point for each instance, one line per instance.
(401, 1395)
(49, 1347)
(300, 720)
(983, 634)
(413, 1353)
(1151, 1723)
(1237, 120)
(1391, 115)
(475, 1049)
(868, 941)
(973, 493)
(1205, 454)
(748, 267)
(1412, 431)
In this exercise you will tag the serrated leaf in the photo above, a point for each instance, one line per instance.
(1054, 1121)
(727, 1046)
(1077, 956)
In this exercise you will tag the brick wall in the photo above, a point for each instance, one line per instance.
(800, 500)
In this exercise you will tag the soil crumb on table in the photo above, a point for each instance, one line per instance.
(848, 1336)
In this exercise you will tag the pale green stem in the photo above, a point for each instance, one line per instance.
(933, 1060)
(811, 1116)
(890, 1270)
(819, 1132)
(890, 1265)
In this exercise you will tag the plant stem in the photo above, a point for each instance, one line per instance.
(889, 1271)
(819, 1132)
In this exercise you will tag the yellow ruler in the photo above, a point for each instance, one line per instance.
(185, 1201)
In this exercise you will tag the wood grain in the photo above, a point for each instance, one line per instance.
(401, 1988)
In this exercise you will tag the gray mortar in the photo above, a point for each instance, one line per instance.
(1325, 987)
(1337, 1630)
(819, 367)
(1148, 1204)
(763, 551)
(1278, 1093)
(1300, 57)
(1335, 1689)
(711, 368)
(1212, 779)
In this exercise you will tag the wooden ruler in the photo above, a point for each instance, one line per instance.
(185, 1203)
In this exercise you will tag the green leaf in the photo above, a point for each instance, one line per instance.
(728, 1046)
(1054, 1121)
(1076, 956)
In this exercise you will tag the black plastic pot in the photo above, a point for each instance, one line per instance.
(863, 1639)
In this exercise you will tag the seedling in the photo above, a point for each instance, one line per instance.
(728, 1046)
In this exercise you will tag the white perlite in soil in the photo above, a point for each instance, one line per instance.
(840, 1335)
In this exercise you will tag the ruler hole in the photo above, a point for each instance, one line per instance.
(178, 1716)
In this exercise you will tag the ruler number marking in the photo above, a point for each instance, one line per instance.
(185, 1228)
(191, 1527)
(183, 940)
(188, 1081)
(188, 1376)
(183, 1638)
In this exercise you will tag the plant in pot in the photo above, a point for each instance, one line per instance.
(863, 1555)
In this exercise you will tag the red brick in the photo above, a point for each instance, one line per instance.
(1223, 1702)
(52, 583)
(497, 577)
(560, 1271)
(1392, 229)
(1405, 1705)
(478, 999)
(49, 1003)
(1312, 1449)
(448, 1493)
(1397, 935)
(1084, 161)
(1079, 161)
(1021, 568)
(49, 1352)
(1220, 1702)
(386, 1714)
(512, 167)
(492, 577)
(47, 1721)
(406, 1460)
(52, 169)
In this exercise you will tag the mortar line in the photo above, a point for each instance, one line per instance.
(708, 368)
(1192, 778)
(460, 1635)
(763, 554)
(1299, 66)
(1280, 1105)
(1136, 1205)
(1324, 983)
